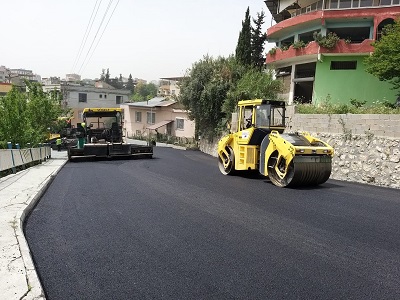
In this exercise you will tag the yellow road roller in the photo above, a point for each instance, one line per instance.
(257, 142)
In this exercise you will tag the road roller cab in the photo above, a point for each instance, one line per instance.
(257, 142)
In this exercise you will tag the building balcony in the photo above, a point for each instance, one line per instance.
(283, 9)
(315, 18)
(343, 5)
(312, 49)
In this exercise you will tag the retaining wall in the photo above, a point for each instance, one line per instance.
(367, 147)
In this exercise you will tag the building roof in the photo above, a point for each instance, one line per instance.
(92, 89)
(159, 124)
(155, 102)
(173, 78)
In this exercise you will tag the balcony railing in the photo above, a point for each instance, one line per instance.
(343, 4)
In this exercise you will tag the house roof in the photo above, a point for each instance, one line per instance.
(159, 124)
(155, 102)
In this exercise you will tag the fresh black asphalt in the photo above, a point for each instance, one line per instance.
(173, 227)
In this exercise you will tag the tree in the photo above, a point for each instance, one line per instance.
(107, 77)
(205, 89)
(43, 111)
(103, 75)
(116, 83)
(213, 87)
(243, 48)
(384, 62)
(14, 125)
(144, 92)
(27, 117)
(258, 39)
(253, 85)
(130, 85)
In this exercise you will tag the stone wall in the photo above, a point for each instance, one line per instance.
(367, 147)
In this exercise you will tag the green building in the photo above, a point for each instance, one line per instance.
(313, 72)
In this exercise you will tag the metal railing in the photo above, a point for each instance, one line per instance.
(343, 4)
(10, 159)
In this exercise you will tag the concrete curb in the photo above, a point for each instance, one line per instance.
(142, 142)
(19, 193)
(33, 281)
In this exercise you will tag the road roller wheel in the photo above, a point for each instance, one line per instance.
(273, 175)
(228, 166)
(302, 171)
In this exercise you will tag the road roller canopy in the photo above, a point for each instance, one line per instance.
(99, 118)
(261, 113)
(101, 112)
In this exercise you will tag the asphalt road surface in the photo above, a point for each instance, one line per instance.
(173, 227)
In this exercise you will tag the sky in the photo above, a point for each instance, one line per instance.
(150, 39)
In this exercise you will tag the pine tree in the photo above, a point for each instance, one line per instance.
(258, 39)
(130, 85)
(243, 48)
(107, 78)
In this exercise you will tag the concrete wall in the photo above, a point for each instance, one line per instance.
(367, 147)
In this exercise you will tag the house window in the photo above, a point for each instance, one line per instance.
(100, 96)
(82, 97)
(105, 96)
(151, 117)
(344, 65)
(180, 123)
(118, 99)
(138, 116)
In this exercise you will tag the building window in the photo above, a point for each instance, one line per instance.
(101, 96)
(82, 97)
(118, 99)
(138, 116)
(365, 3)
(180, 123)
(344, 65)
(105, 96)
(151, 118)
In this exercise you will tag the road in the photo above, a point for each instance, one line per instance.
(173, 227)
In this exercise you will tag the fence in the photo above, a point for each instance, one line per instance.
(13, 158)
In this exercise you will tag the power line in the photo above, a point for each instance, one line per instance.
(98, 29)
(98, 41)
(86, 35)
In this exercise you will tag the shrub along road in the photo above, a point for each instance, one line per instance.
(173, 227)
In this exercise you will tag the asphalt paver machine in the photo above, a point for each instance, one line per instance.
(100, 135)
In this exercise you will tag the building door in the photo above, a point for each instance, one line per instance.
(169, 128)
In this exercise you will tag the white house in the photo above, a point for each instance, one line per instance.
(78, 97)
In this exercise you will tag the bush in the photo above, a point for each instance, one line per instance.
(272, 51)
(355, 107)
(3, 145)
(329, 41)
(299, 44)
